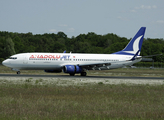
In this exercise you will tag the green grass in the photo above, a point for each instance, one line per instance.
(115, 72)
(138, 72)
(99, 101)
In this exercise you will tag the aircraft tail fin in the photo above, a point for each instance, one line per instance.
(134, 46)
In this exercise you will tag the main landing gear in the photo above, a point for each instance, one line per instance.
(72, 74)
(18, 72)
(82, 74)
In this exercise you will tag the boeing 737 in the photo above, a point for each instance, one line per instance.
(77, 63)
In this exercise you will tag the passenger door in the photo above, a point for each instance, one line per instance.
(25, 59)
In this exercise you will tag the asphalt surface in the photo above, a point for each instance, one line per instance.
(87, 77)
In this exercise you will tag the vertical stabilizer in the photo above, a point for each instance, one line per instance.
(135, 44)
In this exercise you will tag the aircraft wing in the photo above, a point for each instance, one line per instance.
(94, 65)
(91, 64)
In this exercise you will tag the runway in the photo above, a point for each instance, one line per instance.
(84, 77)
(67, 80)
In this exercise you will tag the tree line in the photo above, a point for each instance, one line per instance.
(13, 43)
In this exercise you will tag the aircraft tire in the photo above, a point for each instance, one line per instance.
(72, 74)
(83, 74)
(18, 72)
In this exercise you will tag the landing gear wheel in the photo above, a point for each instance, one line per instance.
(72, 74)
(18, 72)
(83, 74)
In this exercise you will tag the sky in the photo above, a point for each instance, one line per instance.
(74, 17)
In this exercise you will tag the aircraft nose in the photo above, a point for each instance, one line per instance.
(5, 62)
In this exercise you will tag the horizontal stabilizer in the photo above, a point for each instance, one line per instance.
(151, 55)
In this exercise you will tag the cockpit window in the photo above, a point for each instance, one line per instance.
(12, 57)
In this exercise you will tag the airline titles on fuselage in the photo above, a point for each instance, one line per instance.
(50, 56)
(65, 57)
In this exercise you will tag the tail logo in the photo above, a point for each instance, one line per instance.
(135, 46)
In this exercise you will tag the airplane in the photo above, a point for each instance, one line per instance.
(78, 63)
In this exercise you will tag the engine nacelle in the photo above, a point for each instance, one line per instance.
(53, 71)
(72, 69)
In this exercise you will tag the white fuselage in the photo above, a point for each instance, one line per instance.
(55, 61)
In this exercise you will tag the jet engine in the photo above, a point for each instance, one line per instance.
(72, 69)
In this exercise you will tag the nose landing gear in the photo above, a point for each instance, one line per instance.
(17, 70)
